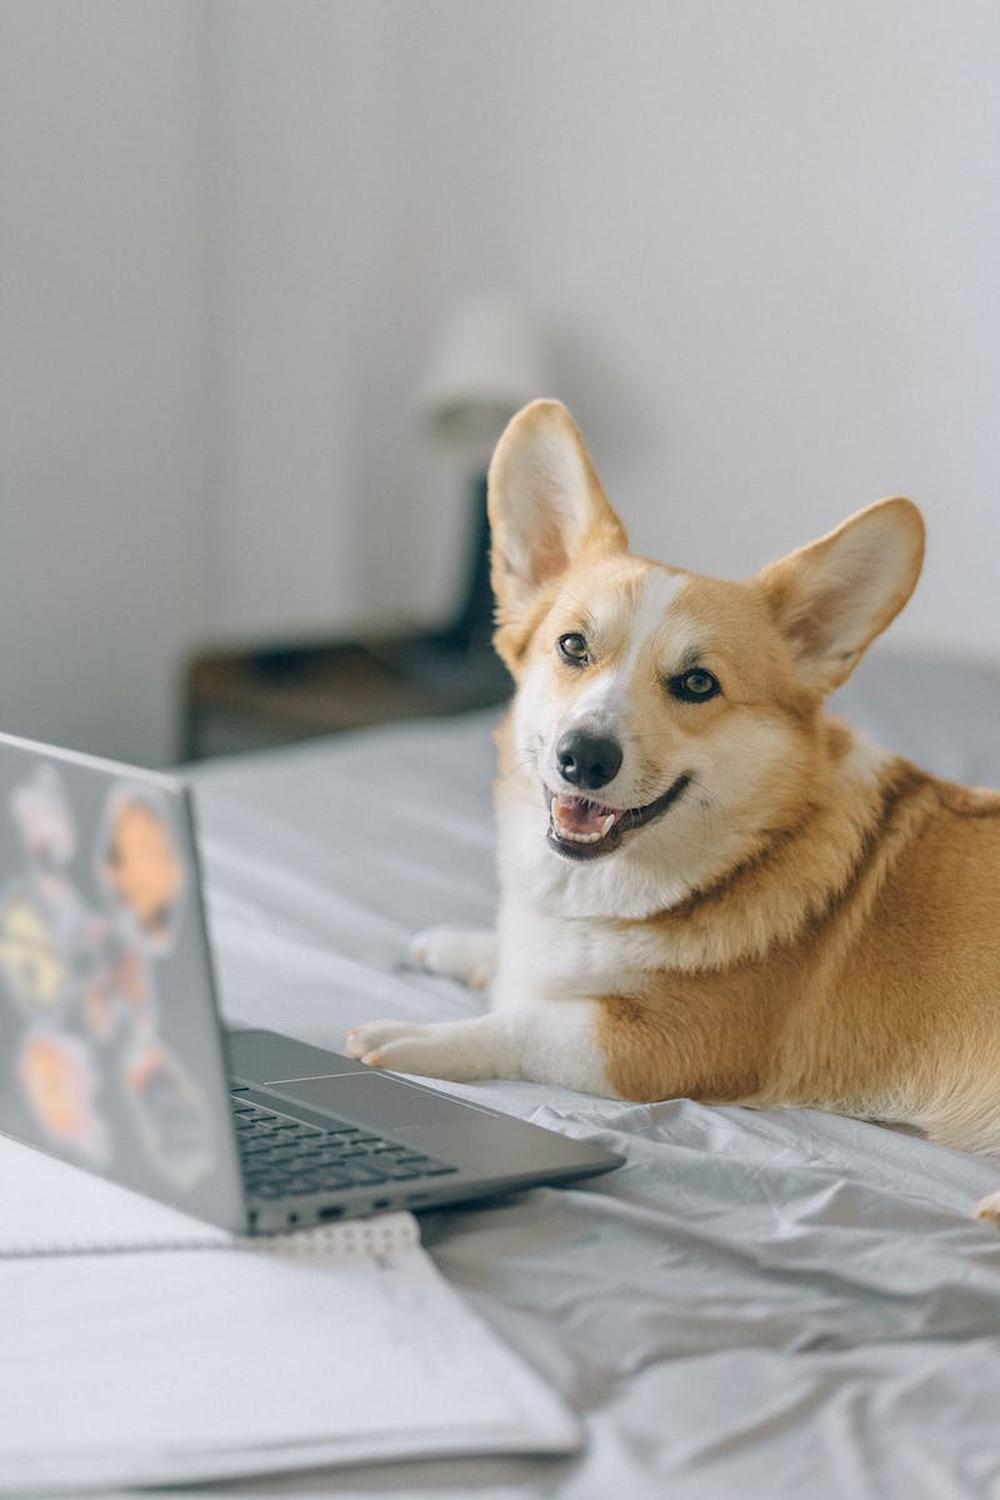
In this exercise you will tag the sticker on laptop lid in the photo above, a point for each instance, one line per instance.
(140, 865)
(120, 993)
(44, 818)
(35, 973)
(59, 1086)
(170, 1111)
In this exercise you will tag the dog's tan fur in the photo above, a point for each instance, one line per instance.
(831, 939)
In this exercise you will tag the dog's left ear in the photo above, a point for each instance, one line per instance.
(832, 598)
(547, 506)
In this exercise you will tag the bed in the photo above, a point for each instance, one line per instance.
(756, 1303)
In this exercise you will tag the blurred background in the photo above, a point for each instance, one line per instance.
(257, 254)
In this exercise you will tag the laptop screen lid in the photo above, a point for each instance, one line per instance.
(111, 1053)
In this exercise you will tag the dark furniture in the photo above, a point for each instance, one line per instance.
(255, 699)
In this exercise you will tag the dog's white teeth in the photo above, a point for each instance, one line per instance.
(562, 816)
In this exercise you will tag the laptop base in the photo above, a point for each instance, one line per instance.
(425, 1148)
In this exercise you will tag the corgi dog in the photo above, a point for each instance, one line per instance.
(709, 888)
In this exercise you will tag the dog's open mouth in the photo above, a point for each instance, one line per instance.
(580, 828)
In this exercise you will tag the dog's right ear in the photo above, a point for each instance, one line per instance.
(547, 510)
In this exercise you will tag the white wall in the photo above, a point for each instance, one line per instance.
(766, 240)
(324, 182)
(101, 326)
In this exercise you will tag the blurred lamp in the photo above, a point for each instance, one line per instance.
(488, 362)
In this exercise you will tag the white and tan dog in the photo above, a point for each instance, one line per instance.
(709, 888)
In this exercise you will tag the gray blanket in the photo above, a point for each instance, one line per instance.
(756, 1304)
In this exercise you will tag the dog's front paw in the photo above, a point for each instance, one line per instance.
(466, 954)
(989, 1209)
(369, 1040)
(443, 1049)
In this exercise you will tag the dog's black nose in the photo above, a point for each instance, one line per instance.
(588, 760)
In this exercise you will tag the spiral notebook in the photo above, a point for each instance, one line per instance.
(131, 1357)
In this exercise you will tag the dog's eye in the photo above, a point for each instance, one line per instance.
(695, 686)
(573, 648)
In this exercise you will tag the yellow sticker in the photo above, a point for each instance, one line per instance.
(32, 965)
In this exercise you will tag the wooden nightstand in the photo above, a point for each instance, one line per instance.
(251, 700)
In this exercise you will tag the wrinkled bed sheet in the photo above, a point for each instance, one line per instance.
(756, 1304)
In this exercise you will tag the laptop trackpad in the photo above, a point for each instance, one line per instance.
(368, 1099)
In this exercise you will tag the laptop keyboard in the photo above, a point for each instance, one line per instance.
(281, 1156)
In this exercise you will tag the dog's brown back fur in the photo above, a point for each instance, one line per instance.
(883, 997)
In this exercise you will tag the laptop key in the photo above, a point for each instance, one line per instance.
(361, 1172)
(315, 1184)
(286, 1153)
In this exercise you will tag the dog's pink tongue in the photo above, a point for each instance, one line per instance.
(574, 815)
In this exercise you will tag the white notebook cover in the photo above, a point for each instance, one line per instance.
(336, 1345)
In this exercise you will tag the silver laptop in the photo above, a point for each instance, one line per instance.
(113, 1056)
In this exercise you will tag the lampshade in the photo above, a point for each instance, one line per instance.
(487, 363)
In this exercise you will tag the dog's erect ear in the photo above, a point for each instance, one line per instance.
(832, 598)
(547, 507)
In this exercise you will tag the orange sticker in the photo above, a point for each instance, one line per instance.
(141, 866)
(58, 1085)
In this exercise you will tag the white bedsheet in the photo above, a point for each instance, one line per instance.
(756, 1304)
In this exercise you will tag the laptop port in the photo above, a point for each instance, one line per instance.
(381, 1202)
(331, 1213)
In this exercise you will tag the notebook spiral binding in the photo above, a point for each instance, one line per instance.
(384, 1235)
(370, 1239)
